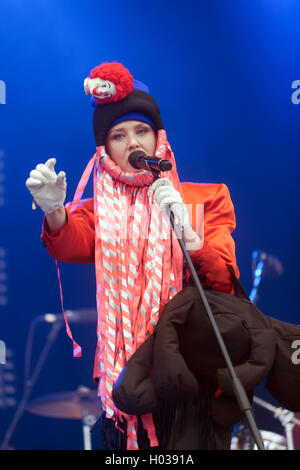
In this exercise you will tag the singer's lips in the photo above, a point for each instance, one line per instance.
(134, 168)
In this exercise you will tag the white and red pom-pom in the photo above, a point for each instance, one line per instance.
(109, 82)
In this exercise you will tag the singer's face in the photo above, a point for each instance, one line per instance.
(126, 137)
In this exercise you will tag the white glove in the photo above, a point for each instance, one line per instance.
(46, 187)
(166, 195)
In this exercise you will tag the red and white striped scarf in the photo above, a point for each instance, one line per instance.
(138, 264)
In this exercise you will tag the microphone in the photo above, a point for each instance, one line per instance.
(73, 316)
(141, 161)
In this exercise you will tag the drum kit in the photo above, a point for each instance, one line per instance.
(84, 404)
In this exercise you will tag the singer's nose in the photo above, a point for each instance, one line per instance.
(133, 143)
(133, 146)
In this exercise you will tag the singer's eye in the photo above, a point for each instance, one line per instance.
(118, 136)
(142, 131)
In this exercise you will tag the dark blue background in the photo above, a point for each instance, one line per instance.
(222, 74)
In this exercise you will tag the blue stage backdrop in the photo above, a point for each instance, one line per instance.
(226, 76)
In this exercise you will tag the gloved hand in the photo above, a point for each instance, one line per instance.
(46, 187)
(165, 194)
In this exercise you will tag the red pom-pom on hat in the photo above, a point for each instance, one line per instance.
(120, 82)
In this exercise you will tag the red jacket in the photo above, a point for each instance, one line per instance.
(75, 242)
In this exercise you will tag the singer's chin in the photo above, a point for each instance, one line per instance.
(131, 169)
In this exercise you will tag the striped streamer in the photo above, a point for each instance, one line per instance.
(138, 266)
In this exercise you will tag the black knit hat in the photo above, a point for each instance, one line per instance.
(137, 102)
(116, 94)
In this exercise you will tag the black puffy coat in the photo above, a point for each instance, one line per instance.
(182, 361)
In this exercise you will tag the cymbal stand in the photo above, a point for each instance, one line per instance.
(88, 421)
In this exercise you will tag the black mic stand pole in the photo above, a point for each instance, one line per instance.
(30, 382)
(238, 388)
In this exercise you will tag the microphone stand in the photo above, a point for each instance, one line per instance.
(238, 388)
(30, 382)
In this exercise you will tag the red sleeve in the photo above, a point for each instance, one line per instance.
(219, 246)
(75, 242)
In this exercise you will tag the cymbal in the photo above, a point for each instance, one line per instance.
(67, 405)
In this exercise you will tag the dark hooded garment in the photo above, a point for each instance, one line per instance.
(175, 373)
